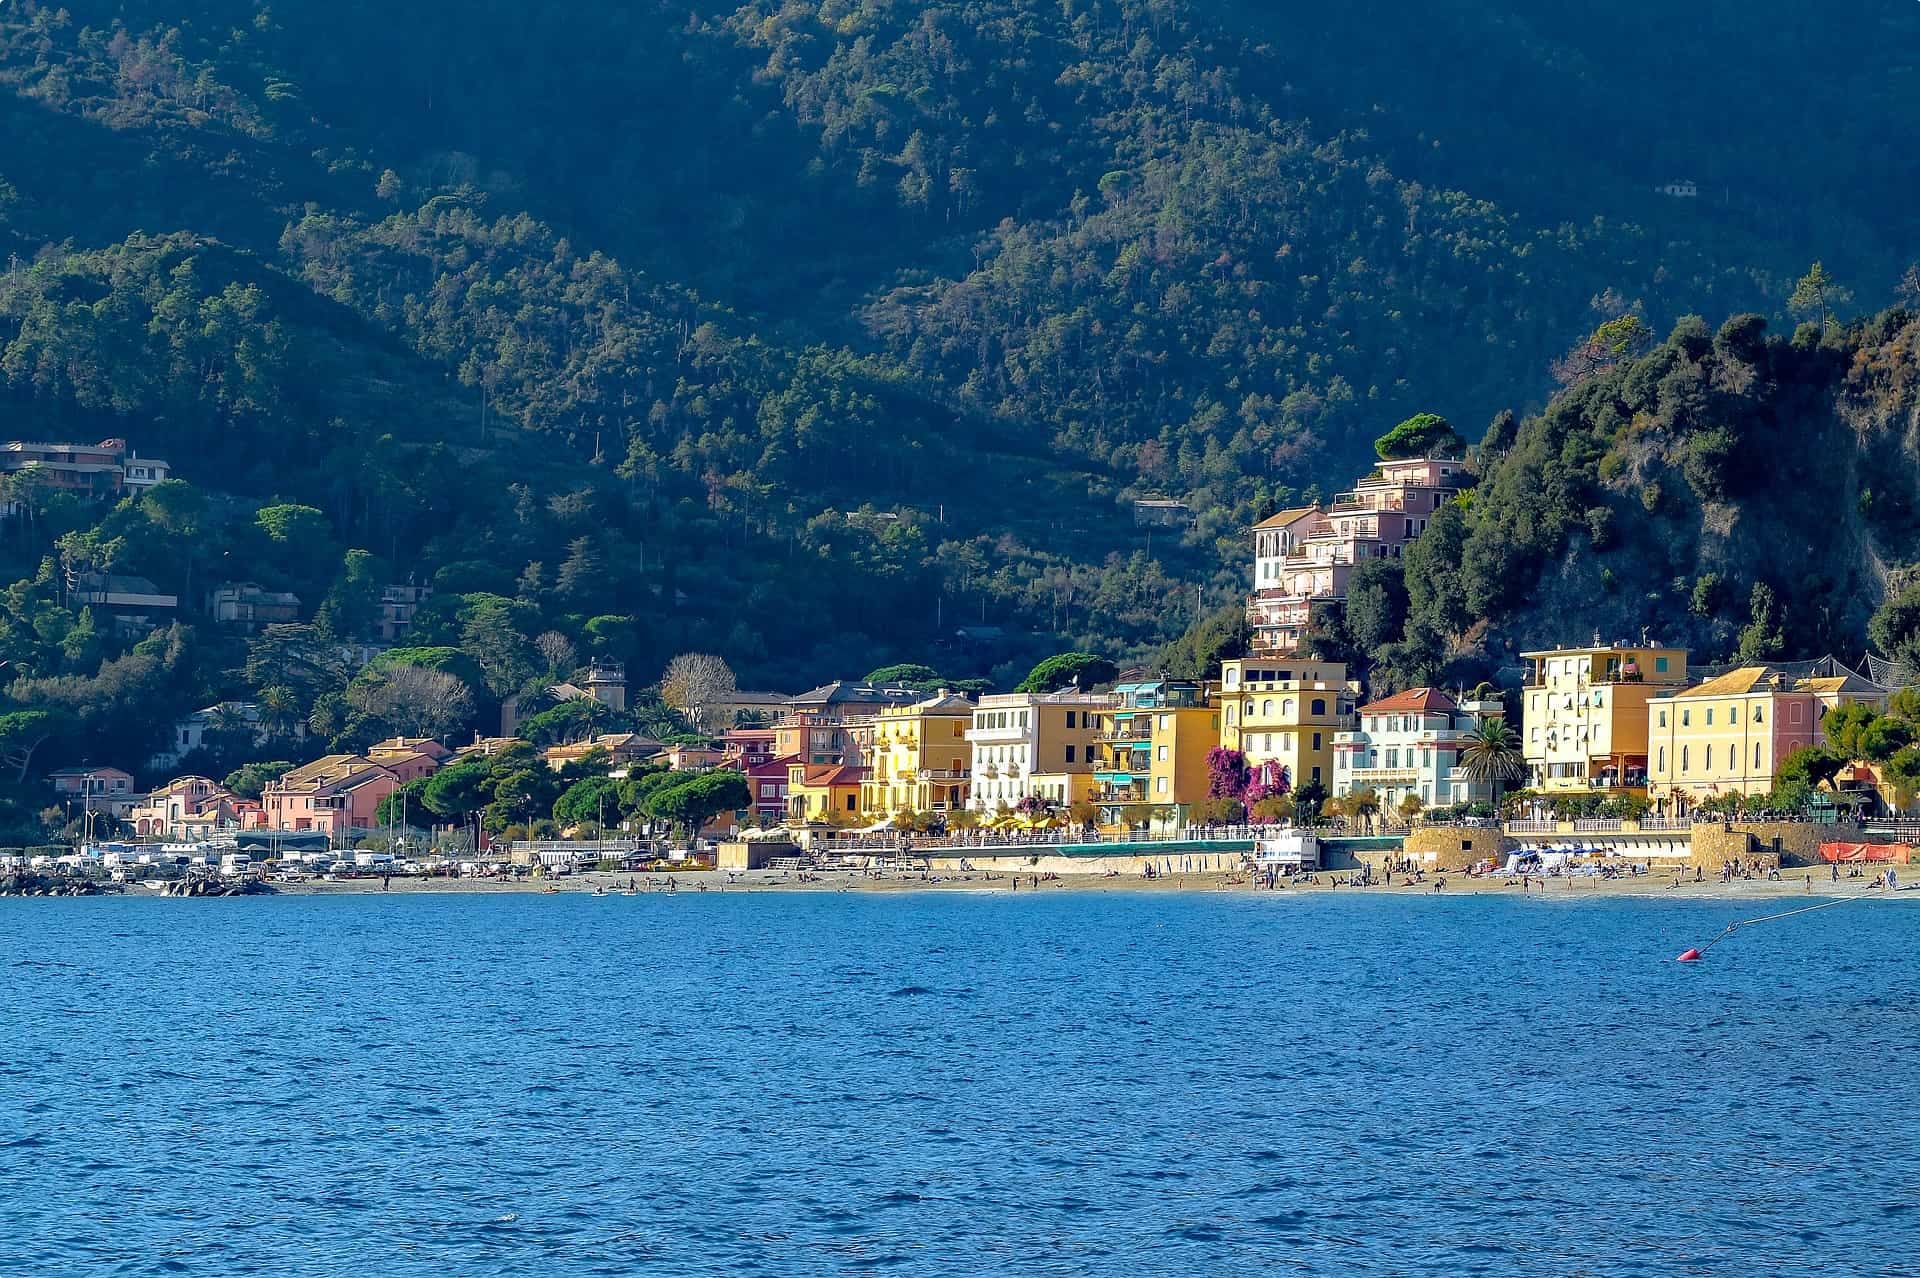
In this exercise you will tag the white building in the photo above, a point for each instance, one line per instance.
(1409, 744)
(1041, 745)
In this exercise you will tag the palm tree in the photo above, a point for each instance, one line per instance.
(1492, 753)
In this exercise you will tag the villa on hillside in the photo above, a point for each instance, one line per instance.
(1303, 558)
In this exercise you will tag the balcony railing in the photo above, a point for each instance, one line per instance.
(950, 774)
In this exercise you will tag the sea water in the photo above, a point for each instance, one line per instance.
(1047, 1083)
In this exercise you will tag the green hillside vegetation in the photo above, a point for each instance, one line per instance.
(1747, 495)
(829, 336)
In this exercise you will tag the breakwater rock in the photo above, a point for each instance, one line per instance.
(30, 883)
(218, 887)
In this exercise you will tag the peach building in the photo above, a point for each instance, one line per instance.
(1730, 734)
(1302, 558)
(332, 796)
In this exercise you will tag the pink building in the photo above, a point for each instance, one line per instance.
(332, 795)
(1303, 558)
(189, 808)
(767, 783)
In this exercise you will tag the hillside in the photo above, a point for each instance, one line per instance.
(806, 333)
(1752, 496)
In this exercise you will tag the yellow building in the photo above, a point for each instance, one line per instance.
(823, 792)
(920, 759)
(1155, 745)
(1730, 734)
(1285, 710)
(1585, 719)
(1018, 737)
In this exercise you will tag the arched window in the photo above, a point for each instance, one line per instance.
(1756, 754)
(1266, 707)
(1660, 764)
(1319, 706)
(1684, 761)
(1707, 766)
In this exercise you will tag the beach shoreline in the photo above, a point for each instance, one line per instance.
(1793, 884)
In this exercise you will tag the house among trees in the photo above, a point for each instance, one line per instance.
(135, 604)
(246, 606)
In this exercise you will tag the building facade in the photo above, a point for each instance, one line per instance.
(920, 758)
(1584, 717)
(1029, 745)
(1303, 558)
(1154, 747)
(333, 796)
(1730, 734)
(1285, 711)
(1408, 746)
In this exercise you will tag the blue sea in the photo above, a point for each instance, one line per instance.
(1099, 1083)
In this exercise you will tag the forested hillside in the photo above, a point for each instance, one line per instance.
(807, 333)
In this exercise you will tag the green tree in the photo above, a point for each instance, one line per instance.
(1491, 754)
(588, 799)
(1816, 295)
(1422, 435)
(691, 803)
(1083, 670)
(249, 780)
(1845, 728)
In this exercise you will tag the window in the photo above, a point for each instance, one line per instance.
(1069, 718)
(1316, 774)
(1162, 725)
(1709, 724)
(1759, 714)
(1684, 761)
(1660, 761)
(1161, 754)
(1756, 754)
(1686, 718)
(1663, 718)
(1319, 706)
(1159, 785)
(1660, 665)
(1266, 707)
(1230, 713)
(1316, 741)
(1733, 714)
(1707, 766)
(1069, 754)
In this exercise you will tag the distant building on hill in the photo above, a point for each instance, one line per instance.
(1684, 189)
(1303, 558)
(246, 607)
(106, 469)
(1162, 511)
(135, 604)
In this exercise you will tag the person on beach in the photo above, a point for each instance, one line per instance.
(386, 882)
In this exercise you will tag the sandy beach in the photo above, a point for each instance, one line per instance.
(1800, 883)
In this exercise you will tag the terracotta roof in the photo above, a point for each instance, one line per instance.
(1287, 518)
(833, 774)
(330, 770)
(1413, 701)
(1733, 683)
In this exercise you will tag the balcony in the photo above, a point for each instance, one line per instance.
(1387, 776)
(949, 774)
(1124, 734)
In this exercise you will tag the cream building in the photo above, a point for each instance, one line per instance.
(1584, 720)
(1730, 734)
(1034, 745)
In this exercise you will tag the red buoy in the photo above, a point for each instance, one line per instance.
(1690, 956)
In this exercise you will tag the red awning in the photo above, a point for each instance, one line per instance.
(1900, 853)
